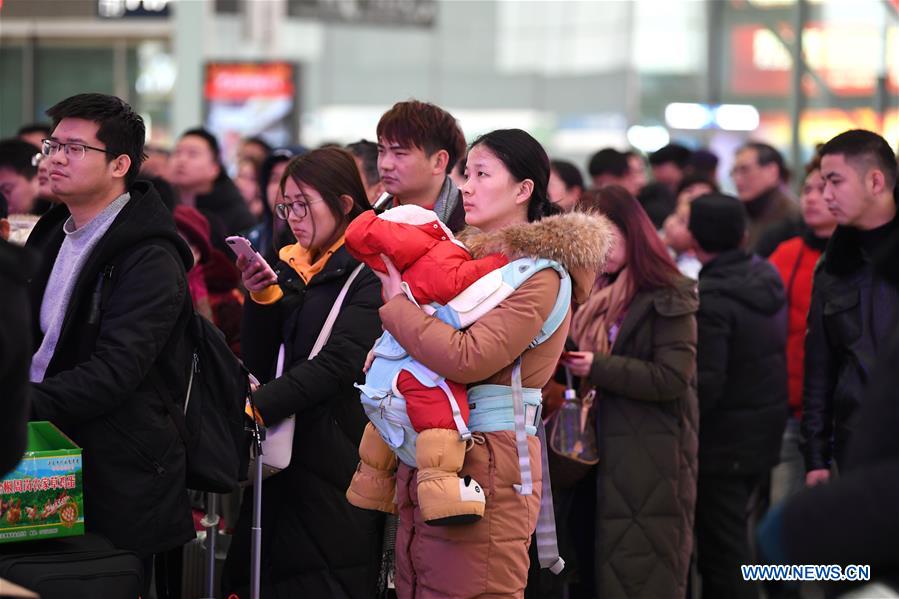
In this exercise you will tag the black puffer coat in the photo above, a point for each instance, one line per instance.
(850, 318)
(16, 265)
(96, 388)
(742, 364)
(314, 543)
(647, 431)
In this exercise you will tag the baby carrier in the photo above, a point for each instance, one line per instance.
(492, 407)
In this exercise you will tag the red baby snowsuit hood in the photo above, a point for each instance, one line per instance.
(433, 263)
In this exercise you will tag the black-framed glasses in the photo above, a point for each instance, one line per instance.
(73, 150)
(299, 208)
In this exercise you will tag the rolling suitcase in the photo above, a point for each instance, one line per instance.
(204, 557)
(84, 567)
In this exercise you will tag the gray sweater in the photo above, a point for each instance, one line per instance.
(74, 251)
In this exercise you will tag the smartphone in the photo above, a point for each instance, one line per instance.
(242, 247)
(381, 201)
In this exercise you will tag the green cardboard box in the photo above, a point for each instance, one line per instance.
(43, 497)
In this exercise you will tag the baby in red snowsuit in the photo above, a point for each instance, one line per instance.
(436, 268)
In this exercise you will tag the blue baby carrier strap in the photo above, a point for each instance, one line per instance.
(385, 406)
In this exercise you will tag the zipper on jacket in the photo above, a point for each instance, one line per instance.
(103, 278)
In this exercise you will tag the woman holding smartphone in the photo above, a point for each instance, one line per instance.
(315, 544)
(637, 336)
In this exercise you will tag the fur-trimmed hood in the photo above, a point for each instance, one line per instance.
(578, 241)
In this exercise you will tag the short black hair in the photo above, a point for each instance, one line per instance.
(210, 139)
(676, 153)
(768, 154)
(717, 222)
(45, 128)
(121, 129)
(4, 206)
(367, 152)
(861, 145)
(259, 142)
(703, 162)
(17, 155)
(214, 147)
(608, 161)
(658, 201)
(569, 174)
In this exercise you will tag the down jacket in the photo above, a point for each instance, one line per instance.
(795, 260)
(647, 421)
(742, 365)
(314, 543)
(490, 557)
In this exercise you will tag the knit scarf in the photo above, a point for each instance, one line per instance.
(591, 323)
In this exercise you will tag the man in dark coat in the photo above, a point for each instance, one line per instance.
(418, 146)
(853, 306)
(16, 265)
(761, 176)
(741, 361)
(853, 519)
(110, 292)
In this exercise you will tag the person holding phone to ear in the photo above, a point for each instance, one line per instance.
(314, 541)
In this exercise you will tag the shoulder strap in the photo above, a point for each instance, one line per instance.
(523, 269)
(559, 311)
(332, 315)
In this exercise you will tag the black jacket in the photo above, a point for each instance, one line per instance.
(314, 543)
(853, 308)
(16, 265)
(97, 389)
(852, 520)
(742, 364)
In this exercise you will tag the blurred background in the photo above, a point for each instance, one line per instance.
(578, 74)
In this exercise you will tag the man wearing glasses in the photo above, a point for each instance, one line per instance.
(109, 298)
(761, 177)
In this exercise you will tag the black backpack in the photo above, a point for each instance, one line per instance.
(210, 414)
(205, 388)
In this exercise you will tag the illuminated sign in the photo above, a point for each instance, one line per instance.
(843, 55)
(245, 99)
(117, 9)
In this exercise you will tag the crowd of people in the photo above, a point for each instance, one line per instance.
(741, 350)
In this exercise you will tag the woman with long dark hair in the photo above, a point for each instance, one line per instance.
(505, 358)
(637, 336)
(314, 543)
